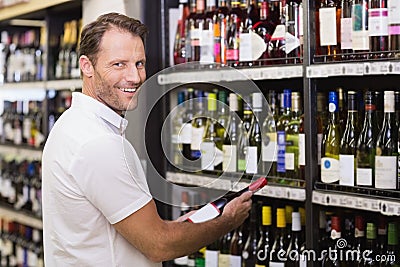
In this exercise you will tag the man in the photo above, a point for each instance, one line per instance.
(97, 209)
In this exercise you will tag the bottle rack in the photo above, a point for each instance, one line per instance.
(315, 73)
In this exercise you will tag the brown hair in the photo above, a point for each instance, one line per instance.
(93, 32)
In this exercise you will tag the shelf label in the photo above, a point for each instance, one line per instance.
(395, 68)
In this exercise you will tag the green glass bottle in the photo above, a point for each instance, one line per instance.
(292, 140)
(268, 145)
(393, 249)
(347, 153)
(231, 136)
(254, 136)
(366, 144)
(281, 129)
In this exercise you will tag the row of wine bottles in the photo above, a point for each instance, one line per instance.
(360, 153)
(28, 123)
(274, 235)
(357, 29)
(21, 184)
(20, 245)
(229, 137)
(239, 33)
(24, 54)
(251, 243)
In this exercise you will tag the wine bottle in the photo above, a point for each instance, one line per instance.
(220, 29)
(394, 27)
(249, 253)
(392, 252)
(212, 254)
(213, 209)
(322, 121)
(387, 148)
(186, 132)
(366, 144)
(211, 145)
(243, 142)
(180, 36)
(233, 32)
(207, 34)
(329, 28)
(378, 97)
(288, 220)
(222, 113)
(336, 234)
(292, 33)
(281, 129)
(177, 124)
(330, 171)
(371, 245)
(185, 208)
(359, 33)
(279, 248)
(198, 128)
(292, 163)
(253, 151)
(378, 27)
(347, 150)
(359, 236)
(224, 250)
(345, 29)
(294, 249)
(276, 46)
(268, 145)
(230, 146)
(196, 30)
(235, 258)
(264, 28)
(189, 26)
(264, 245)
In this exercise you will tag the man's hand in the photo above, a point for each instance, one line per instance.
(238, 209)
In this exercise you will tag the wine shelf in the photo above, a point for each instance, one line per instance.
(381, 205)
(21, 217)
(25, 152)
(70, 84)
(230, 74)
(274, 191)
(353, 69)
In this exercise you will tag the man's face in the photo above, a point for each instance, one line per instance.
(120, 70)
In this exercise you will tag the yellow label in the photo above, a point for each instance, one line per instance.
(280, 218)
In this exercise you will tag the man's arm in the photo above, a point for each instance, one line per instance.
(161, 240)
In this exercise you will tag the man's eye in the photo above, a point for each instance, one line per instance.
(118, 64)
(140, 64)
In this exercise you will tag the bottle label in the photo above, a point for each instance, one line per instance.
(364, 176)
(181, 260)
(329, 170)
(268, 148)
(260, 265)
(207, 46)
(360, 37)
(394, 30)
(319, 137)
(185, 137)
(211, 258)
(251, 159)
(302, 149)
(230, 158)
(303, 260)
(378, 22)
(346, 166)
(197, 137)
(276, 264)
(386, 172)
(204, 214)
(242, 165)
(236, 261)
(207, 155)
(394, 12)
(232, 54)
(289, 161)
(345, 33)
(281, 151)
(327, 26)
(245, 47)
(223, 260)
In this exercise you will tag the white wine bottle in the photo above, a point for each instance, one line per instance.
(229, 148)
(331, 144)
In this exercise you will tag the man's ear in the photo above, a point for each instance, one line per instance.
(86, 66)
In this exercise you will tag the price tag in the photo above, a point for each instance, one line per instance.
(316, 197)
(335, 200)
(351, 202)
(299, 71)
(359, 203)
(289, 72)
(324, 71)
(279, 73)
(188, 179)
(278, 192)
(291, 193)
(377, 68)
(343, 200)
(273, 73)
(336, 70)
(254, 74)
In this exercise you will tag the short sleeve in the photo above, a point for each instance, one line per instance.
(109, 174)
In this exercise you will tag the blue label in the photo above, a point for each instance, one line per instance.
(327, 164)
(281, 146)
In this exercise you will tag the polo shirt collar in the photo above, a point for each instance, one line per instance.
(90, 104)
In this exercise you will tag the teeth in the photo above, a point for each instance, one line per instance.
(129, 90)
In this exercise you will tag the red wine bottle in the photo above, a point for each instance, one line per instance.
(213, 209)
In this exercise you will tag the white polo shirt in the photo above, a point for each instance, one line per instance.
(92, 178)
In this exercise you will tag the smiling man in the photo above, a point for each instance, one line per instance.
(97, 208)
